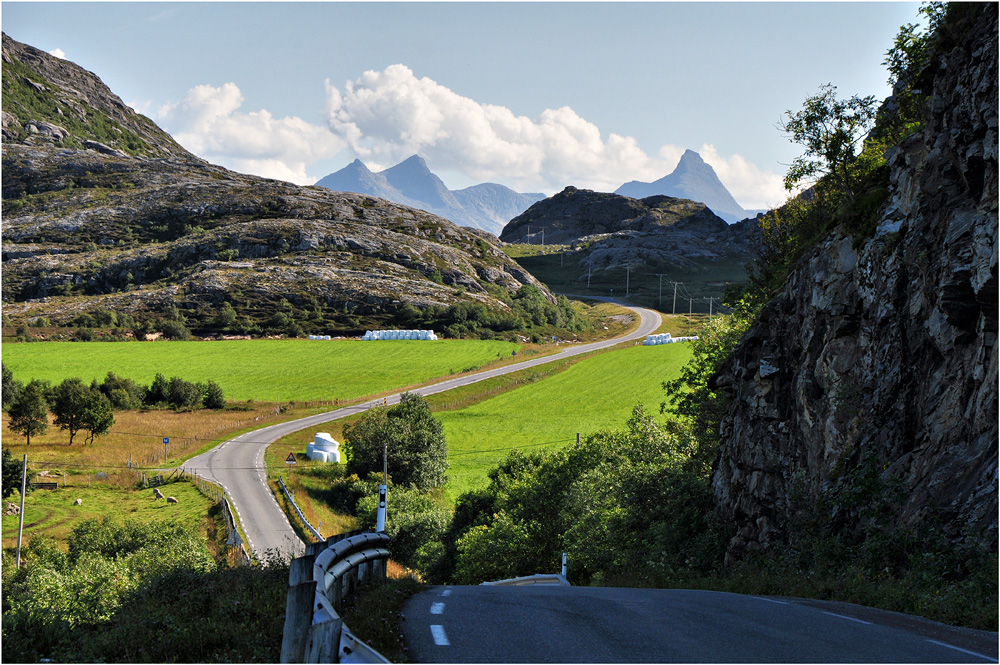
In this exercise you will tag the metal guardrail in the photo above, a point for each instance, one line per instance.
(315, 533)
(318, 583)
(540, 579)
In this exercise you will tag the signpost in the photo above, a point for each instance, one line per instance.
(166, 440)
(290, 459)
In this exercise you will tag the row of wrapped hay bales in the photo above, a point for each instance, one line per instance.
(665, 338)
(399, 334)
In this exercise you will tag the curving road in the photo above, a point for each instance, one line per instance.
(238, 464)
(559, 624)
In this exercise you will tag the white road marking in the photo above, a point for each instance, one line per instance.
(440, 639)
(768, 600)
(437, 608)
(841, 616)
(966, 651)
(446, 592)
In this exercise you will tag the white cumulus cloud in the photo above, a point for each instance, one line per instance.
(750, 185)
(209, 123)
(59, 53)
(388, 116)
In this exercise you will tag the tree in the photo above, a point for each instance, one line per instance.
(157, 391)
(97, 416)
(29, 412)
(182, 394)
(212, 396)
(11, 473)
(830, 130)
(78, 407)
(412, 438)
(10, 386)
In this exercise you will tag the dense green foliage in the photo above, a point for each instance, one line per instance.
(77, 406)
(29, 412)
(529, 313)
(134, 592)
(12, 472)
(409, 437)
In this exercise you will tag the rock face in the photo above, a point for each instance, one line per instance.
(621, 231)
(885, 352)
(487, 206)
(124, 219)
(692, 179)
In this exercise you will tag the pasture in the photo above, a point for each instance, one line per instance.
(594, 394)
(292, 370)
(53, 513)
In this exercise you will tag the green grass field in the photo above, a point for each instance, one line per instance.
(594, 394)
(51, 512)
(265, 370)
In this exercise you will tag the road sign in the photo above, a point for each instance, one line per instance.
(290, 459)
(166, 440)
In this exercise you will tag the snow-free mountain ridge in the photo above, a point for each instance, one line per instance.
(695, 180)
(487, 206)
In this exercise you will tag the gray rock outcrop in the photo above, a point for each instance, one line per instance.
(885, 352)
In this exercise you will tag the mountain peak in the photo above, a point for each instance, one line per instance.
(693, 179)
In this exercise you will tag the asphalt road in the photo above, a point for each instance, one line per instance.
(238, 464)
(558, 624)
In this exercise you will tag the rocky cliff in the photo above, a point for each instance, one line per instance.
(882, 354)
(102, 209)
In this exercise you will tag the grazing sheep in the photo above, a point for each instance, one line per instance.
(157, 494)
(78, 502)
(171, 499)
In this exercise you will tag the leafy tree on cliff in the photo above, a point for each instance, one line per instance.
(832, 131)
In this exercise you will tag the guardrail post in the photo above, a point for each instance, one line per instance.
(298, 610)
(324, 642)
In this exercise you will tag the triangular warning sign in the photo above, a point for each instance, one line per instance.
(290, 459)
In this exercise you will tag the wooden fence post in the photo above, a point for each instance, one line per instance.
(298, 610)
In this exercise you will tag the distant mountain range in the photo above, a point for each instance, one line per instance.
(411, 183)
(695, 180)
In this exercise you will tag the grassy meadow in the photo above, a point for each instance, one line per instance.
(594, 394)
(263, 370)
(53, 513)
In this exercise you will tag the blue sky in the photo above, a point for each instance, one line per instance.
(535, 96)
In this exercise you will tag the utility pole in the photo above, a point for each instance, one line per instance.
(661, 276)
(20, 521)
(627, 271)
(674, 311)
(710, 302)
(690, 311)
(588, 274)
(543, 237)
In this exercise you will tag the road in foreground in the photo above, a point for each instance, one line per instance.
(558, 624)
(238, 464)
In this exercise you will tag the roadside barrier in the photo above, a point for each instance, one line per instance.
(315, 533)
(318, 584)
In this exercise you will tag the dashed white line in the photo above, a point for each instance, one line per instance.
(437, 608)
(440, 639)
(965, 651)
(446, 592)
(841, 616)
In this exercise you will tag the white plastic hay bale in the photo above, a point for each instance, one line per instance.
(324, 448)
